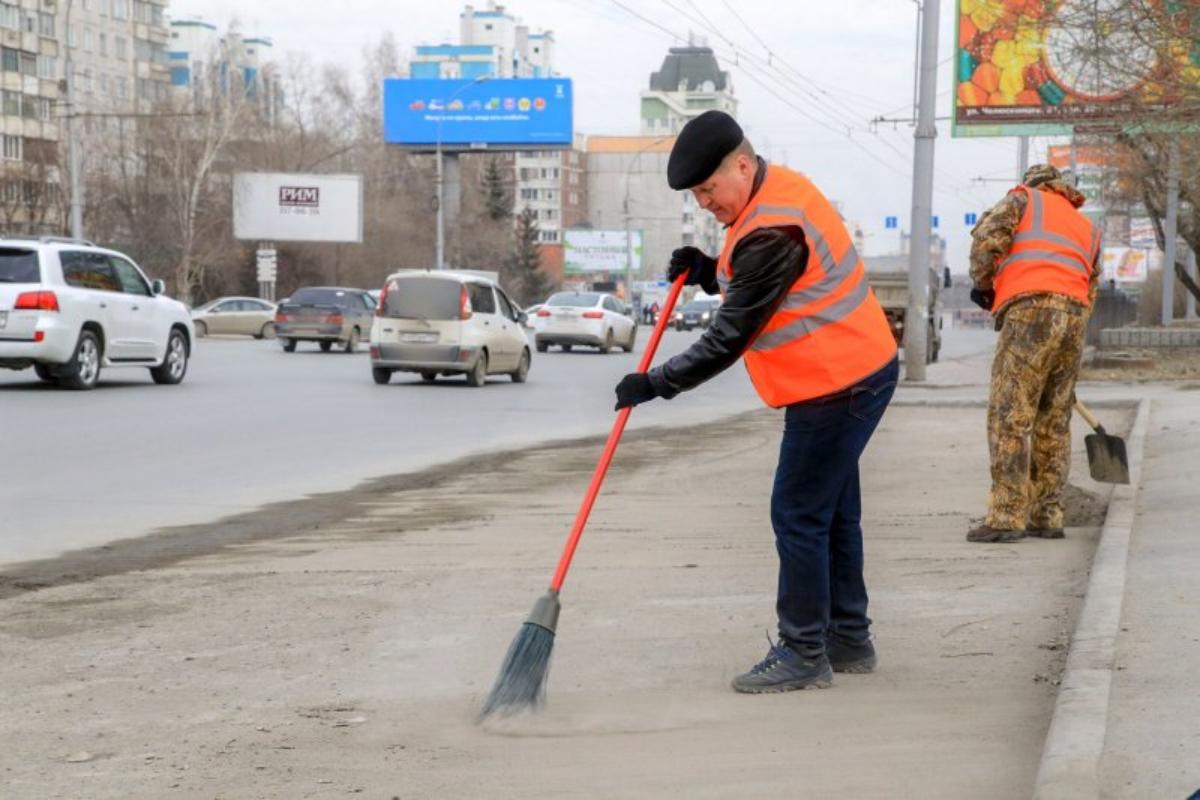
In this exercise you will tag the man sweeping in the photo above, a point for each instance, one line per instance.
(798, 310)
(1034, 264)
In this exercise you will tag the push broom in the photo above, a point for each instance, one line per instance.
(521, 683)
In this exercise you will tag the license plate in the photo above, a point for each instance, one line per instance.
(3, 319)
(419, 338)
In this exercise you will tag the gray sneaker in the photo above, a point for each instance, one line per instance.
(785, 670)
(855, 658)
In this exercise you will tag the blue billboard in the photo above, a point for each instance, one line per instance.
(501, 112)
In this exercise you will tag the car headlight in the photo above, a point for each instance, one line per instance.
(704, 316)
(678, 315)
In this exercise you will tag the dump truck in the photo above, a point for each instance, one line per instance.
(890, 283)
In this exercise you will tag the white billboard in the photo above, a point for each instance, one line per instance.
(282, 207)
(600, 251)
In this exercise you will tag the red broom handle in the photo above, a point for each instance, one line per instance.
(610, 447)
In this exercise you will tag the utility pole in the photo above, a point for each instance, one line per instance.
(1022, 158)
(1170, 232)
(72, 133)
(440, 200)
(917, 316)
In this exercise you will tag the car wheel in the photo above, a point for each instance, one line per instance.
(84, 368)
(542, 347)
(566, 348)
(201, 330)
(326, 346)
(381, 375)
(608, 341)
(267, 331)
(522, 368)
(352, 342)
(44, 373)
(174, 365)
(478, 374)
(628, 346)
(429, 377)
(288, 345)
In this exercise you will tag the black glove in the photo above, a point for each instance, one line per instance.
(634, 388)
(700, 269)
(984, 298)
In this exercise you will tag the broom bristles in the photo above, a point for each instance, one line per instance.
(521, 684)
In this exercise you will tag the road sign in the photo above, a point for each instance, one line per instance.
(891, 222)
(970, 218)
(934, 221)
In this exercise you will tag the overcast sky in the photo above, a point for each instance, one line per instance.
(833, 67)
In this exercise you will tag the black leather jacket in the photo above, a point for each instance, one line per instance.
(765, 265)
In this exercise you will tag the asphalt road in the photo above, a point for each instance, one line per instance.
(251, 424)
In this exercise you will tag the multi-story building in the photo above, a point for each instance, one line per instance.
(118, 54)
(492, 42)
(553, 184)
(200, 57)
(689, 83)
(29, 110)
(627, 189)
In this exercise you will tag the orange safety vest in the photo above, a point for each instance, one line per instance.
(1053, 252)
(830, 332)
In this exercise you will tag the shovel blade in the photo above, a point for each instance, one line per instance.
(1106, 458)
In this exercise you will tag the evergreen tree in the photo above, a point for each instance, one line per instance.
(525, 275)
(497, 199)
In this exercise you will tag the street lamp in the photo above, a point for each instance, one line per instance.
(76, 201)
(441, 224)
(628, 218)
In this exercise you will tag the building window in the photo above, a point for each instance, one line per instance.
(88, 39)
(12, 103)
(73, 36)
(120, 9)
(119, 47)
(47, 67)
(10, 17)
(104, 44)
(29, 64)
(45, 108)
(12, 148)
(46, 25)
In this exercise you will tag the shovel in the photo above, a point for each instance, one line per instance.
(1106, 454)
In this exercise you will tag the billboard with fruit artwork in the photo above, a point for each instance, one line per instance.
(1045, 67)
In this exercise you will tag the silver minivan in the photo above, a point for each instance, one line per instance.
(448, 322)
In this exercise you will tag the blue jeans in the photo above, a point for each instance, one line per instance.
(816, 511)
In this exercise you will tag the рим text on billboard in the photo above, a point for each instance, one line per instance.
(501, 112)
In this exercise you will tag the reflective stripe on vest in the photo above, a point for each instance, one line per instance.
(1053, 251)
(788, 361)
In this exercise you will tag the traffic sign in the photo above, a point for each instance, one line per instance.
(935, 220)
(891, 222)
(970, 218)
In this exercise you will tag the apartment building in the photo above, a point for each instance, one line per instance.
(118, 51)
(29, 117)
(200, 56)
(689, 83)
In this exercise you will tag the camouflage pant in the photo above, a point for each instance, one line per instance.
(1029, 414)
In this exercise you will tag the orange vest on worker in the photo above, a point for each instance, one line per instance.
(1053, 252)
(830, 332)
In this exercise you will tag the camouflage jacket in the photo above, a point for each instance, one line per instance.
(992, 238)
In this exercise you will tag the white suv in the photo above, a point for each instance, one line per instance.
(69, 308)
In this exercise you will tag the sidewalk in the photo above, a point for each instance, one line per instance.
(350, 658)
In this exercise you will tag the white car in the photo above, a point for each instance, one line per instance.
(448, 322)
(69, 309)
(590, 319)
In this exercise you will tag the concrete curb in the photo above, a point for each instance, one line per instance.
(1069, 769)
